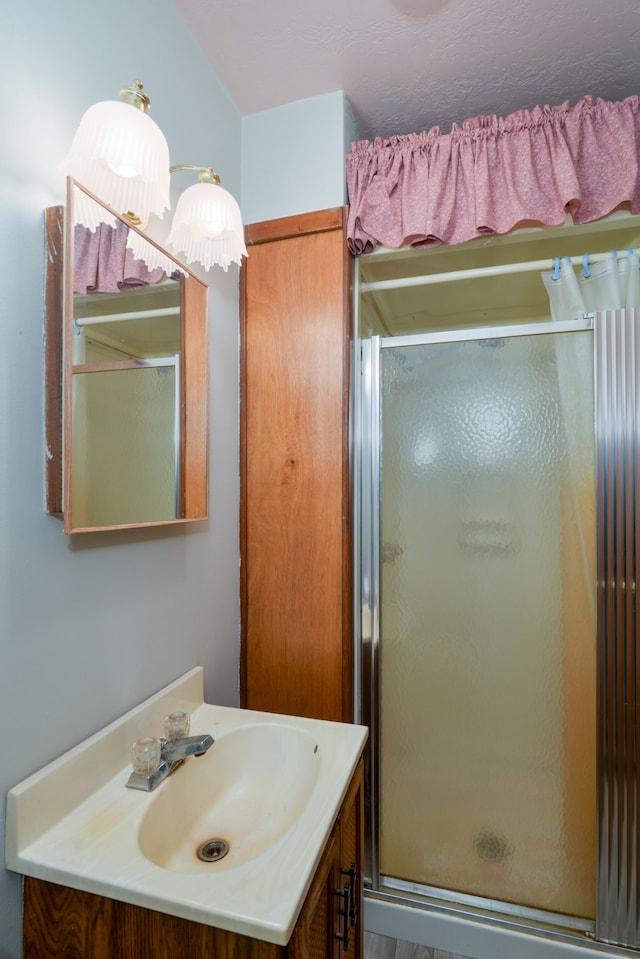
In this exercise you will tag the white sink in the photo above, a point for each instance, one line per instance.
(248, 790)
(270, 786)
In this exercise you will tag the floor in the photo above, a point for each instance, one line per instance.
(379, 947)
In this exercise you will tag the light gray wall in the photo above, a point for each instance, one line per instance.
(91, 625)
(293, 157)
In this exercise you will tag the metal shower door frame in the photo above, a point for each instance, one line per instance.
(617, 415)
(617, 372)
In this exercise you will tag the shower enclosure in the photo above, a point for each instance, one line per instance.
(496, 478)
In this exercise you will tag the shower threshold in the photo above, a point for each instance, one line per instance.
(428, 919)
(479, 928)
(480, 906)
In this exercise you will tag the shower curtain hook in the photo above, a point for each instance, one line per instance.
(586, 269)
(556, 268)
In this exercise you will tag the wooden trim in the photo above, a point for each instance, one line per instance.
(195, 392)
(319, 221)
(243, 486)
(150, 524)
(118, 366)
(53, 326)
(67, 356)
(347, 500)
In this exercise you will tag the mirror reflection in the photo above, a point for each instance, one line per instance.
(135, 377)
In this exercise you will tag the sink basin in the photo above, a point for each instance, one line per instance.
(245, 792)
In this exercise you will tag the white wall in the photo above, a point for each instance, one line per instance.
(293, 157)
(91, 625)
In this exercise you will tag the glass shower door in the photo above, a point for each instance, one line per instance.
(486, 648)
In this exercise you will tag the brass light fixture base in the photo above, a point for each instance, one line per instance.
(135, 95)
(206, 174)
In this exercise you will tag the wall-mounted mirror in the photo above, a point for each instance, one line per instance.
(126, 374)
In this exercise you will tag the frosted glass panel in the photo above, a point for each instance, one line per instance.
(487, 637)
(124, 465)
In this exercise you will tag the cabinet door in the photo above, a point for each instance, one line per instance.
(314, 936)
(351, 834)
(295, 573)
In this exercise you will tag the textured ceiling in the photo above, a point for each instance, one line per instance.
(407, 65)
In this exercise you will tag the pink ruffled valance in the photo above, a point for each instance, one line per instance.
(103, 263)
(493, 174)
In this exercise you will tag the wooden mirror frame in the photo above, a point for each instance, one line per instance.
(194, 378)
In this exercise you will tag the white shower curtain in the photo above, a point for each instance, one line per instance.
(610, 284)
(573, 290)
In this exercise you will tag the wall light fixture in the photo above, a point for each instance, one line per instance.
(207, 224)
(122, 156)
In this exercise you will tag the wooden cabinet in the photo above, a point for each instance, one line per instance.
(295, 541)
(63, 923)
(330, 923)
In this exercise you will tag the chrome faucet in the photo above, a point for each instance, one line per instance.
(155, 759)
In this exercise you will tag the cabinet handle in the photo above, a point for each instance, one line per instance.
(345, 895)
(353, 910)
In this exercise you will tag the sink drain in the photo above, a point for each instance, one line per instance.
(211, 850)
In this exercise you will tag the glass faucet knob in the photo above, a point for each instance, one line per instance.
(145, 755)
(176, 725)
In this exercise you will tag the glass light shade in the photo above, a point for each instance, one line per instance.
(207, 226)
(153, 257)
(88, 213)
(122, 156)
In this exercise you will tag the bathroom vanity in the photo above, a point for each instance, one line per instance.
(60, 921)
(112, 871)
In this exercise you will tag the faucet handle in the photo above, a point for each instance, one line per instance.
(176, 725)
(145, 755)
